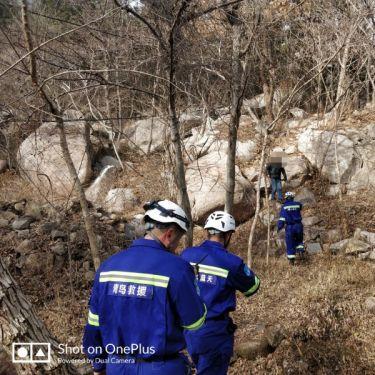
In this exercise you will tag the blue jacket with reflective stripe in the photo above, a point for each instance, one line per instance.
(221, 273)
(143, 296)
(290, 214)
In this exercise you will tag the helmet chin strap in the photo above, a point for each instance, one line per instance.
(226, 243)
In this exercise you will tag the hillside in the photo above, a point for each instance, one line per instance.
(319, 306)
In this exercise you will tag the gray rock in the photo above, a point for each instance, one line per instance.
(19, 207)
(34, 210)
(370, 304)
(22, 223)
(120, 200)
(333, 190)
(298, 113)
(72, 236)
(331, 236)
(370, 130)
(368, 237)
(4, 223)
(25, 233)
(140, 132)
(355, 247)
(339, 246)
(310, 221)
(107, 161)
(263, 217)
(274, 335)
(318, 146)
(368, 255)
(25, 247)
(58, 234)
(48, 227)
(206, 184)
(59, 249)
(312, 234)
(296, 170)
(98, 190)
(138, 225)
(40, 155)
(313, 248)
(306, 197)
(253, 348)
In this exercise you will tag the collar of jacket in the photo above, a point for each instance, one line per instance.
(216, 244)
(143, 242)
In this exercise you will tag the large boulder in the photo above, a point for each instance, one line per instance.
(206, 183)
(97, 192)
(364, 177)
(40, 158)
(318, 147)
(120, 200)
(204, 141)
(296, 169)
(306, 197)
(147, 135)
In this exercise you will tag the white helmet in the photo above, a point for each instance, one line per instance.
(220, 221)
(166, 212)
(290, 194)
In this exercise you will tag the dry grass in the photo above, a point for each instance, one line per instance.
(320, 306)
(13, 188)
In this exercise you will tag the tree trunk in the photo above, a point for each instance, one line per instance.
(63, 143)
(19, 324)
(255, 219)
(238, 82)
(183, 198)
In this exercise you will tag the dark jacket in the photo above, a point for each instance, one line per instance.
(275, 171)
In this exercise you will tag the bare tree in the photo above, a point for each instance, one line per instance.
(56, 113)
(19, 323)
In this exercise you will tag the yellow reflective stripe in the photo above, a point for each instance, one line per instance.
(93, 319)
(290, 256)
(295, 206)
(282, 218)
(254, 288)
(133, 277)
(300, 247)
(199, 322)
(217, 271)
(135, 274)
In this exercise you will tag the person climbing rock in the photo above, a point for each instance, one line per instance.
(274, 170)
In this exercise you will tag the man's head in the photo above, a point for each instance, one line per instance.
(166, 222)
(276, 158)
(220, 226)
(289, 195)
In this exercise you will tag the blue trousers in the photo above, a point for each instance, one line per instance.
(294, 240)
(276, 188)
(177, 366)
(211, 347)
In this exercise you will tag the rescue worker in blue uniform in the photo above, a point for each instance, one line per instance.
(220, 273)
(142, 300)
(290, 216)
